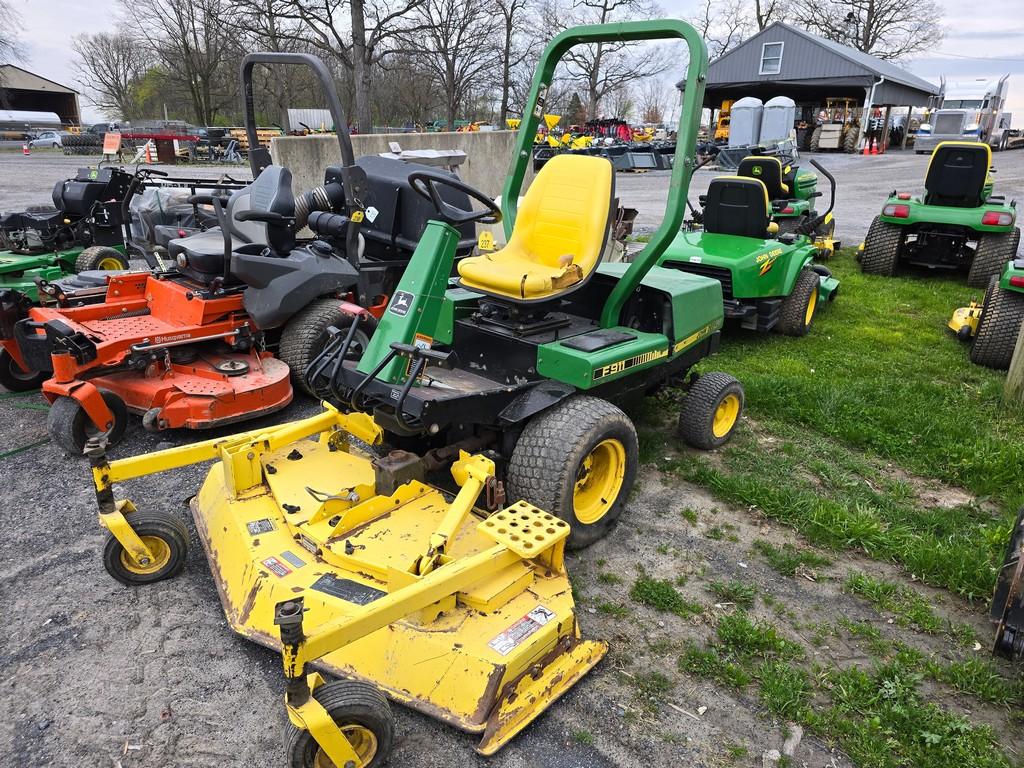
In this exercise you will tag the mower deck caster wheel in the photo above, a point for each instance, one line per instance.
(13, 379)
(70, 426)
(167, 539)
(361, 713)
(711, 410)
(100, 257)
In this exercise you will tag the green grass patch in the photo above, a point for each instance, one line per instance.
(612, 609)
(787, 558)
(743, 637)
(609, 578)
(662, 596)
(739, 593)
(908, 607)
(979, 678)
(785, 690)
(707, 662)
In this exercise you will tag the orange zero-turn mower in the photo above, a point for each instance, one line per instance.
(187, 346)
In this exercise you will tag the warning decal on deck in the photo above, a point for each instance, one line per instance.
(514, 636)
(347, 590)
(256, 527)
(276, 567)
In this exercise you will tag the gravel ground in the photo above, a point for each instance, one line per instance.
(96, 674)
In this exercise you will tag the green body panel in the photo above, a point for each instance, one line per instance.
(920, 213)
(797, 208)
(588, 369)
(806, 183)
(19, 272)
(686, 137)
(423, 283)
(696, 300)
(761, 269)
(458, 303)
(1013, 269)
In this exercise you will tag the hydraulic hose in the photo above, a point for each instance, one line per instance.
(326, 197)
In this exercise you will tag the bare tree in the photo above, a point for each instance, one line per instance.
(192, 42)
(109, 66)
(605, 68)
(652, 101)
(888, 29)
(516, 45)
(456, 44)
(10, 49)
(619, 102)
(769, 11)
(723, 24)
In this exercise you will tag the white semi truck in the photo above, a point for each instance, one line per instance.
(969, 111)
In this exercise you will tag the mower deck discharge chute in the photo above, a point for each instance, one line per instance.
(769, 279)
(958, 222)
(352, 565)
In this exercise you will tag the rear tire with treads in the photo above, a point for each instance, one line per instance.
(881, 249)
(577, 460)
(1002, 314)
(305, 335)
(993, 252)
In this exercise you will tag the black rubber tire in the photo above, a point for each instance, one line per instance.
(882, 246)
(14, 379)
(793, 316)
(70, 426)
(349, 702)
(998, 327)
(991, 255)
(90, 258)
(698, 413)
(851, 139)
(162, 525)
(815, 140)
(305, 335)
(547, 458)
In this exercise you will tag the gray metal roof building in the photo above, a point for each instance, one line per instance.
(782, 60)
(23, 90)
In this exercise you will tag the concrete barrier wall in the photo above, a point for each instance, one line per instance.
(489, 155)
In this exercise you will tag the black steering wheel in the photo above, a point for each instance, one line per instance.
(426, 183)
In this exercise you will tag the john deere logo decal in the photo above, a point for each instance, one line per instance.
(767, 260)
(401, 303)
(757, 170)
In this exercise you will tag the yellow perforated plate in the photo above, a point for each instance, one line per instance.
(524, 529)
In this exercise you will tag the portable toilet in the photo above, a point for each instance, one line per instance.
(778, 119)
(745, 122)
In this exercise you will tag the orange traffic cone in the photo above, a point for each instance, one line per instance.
(874, 147)
(149, 153)
(867, 148)
(25, 149)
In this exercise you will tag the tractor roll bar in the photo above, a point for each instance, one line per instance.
(686, 138)
(259, 157)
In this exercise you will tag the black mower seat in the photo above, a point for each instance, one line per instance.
(737, 206)
(767, 170)
(201, 256)
(956, 174)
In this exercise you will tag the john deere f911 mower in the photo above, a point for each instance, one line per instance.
(957, 224)
(348, 562)
(769, 280)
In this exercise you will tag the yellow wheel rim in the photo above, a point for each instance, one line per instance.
(599, 481)
(161, 556)
(725, 415)
(363, 741)
(812, 304)
(110, 263)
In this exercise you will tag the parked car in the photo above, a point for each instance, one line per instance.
(54, 139)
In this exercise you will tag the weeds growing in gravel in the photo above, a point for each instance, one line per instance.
(662, 596)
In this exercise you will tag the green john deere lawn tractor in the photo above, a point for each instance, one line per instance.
(957, 224)
(769, 278)
(993, 326)
(81, 231)
(533, 348)
(791, 192)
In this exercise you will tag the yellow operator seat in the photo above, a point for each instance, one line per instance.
(559, 235)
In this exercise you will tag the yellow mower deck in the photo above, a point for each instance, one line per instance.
(465, 617)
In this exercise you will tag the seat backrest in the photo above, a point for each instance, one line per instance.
(271, 192)
(737, 206)
(567, 211)
(956, 174)
(767, 170)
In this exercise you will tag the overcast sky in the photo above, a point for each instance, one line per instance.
(971, 48)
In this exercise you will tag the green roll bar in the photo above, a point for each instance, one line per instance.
(686, 138)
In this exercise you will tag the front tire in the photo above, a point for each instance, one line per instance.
(991, 255)
(998, 328)
(100, 257)
(799, 307)
(711, 411)
(167, 539)
(577, 460)
(361, 712)
(70, 426)
(881, 249)
(14, 379)
(305, 336)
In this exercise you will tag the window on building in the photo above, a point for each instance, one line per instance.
(771, 58)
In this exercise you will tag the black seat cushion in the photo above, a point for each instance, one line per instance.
(737, 206)
(956, 175)
(767, 170)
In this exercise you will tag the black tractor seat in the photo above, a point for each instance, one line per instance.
(956, 174)
(769, 171)
(737, 206)
(201, 256)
